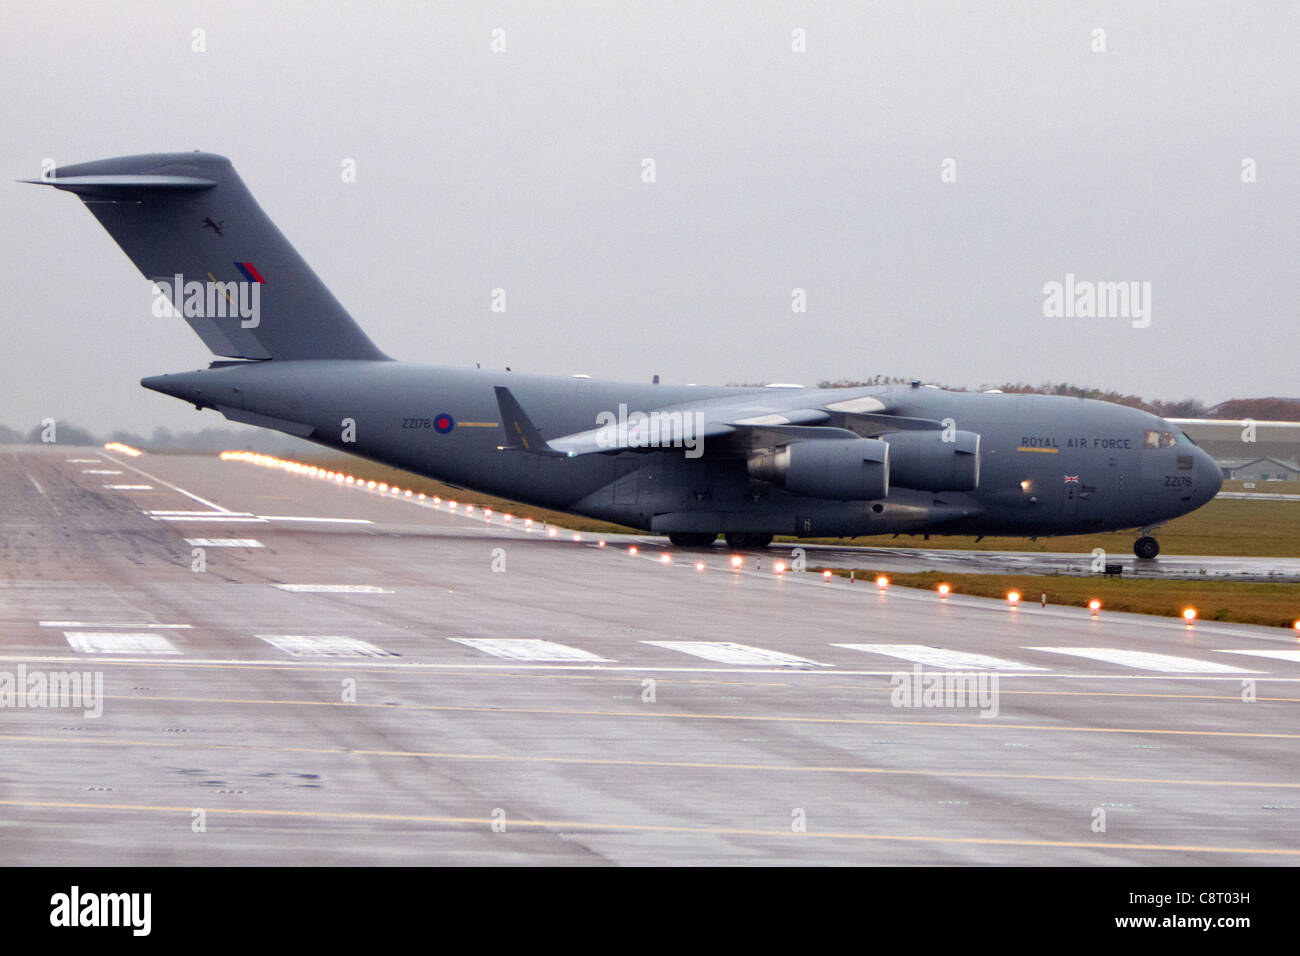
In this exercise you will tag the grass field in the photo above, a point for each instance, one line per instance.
(1273, 605)
(1226, 526)
(1263, 487)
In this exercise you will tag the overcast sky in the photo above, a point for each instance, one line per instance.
(775, 169)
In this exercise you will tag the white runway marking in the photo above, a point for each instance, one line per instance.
(84, 461)
(245, 516)
(133, 626)
(728, 652)
(939, 657)
(210, 518)
(833, 673)
(224, 542)
(1280, 655)
(529, 649)
(303, 645)
(1145, 660)
(167, 484)
(1246, 495)
(129, 487)
(323, 520)
(333, 588)
(119, 642)
(99, 471)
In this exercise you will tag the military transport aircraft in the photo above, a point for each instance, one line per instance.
(689, 462)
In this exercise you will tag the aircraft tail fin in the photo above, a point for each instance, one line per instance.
(243, 287)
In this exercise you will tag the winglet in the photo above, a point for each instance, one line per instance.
(521, 433)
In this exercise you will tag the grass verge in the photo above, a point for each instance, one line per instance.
(1272, 605)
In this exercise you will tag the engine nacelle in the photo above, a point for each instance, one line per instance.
(923, 460)
(843, 469)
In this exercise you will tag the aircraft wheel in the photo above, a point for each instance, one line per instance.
(691, 539)
(1146, 547)
(748, 539)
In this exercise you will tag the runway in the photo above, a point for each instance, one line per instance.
(953, 561)
(297, 671)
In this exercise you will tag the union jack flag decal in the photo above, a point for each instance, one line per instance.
(1071, 479)
(249, 272)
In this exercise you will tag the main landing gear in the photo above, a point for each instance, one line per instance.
(691, 539)
(1146, 547)
(735, 539)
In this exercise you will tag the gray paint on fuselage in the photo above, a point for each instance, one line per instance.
(1117, 487)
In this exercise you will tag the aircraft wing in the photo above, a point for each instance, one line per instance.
(597, 441)
(743, 422)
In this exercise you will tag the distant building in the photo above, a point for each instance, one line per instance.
(1246, 450)
(1259, 469)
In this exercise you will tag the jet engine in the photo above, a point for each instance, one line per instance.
(844, 469)
(925, 461)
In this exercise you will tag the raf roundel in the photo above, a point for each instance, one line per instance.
(444, 423)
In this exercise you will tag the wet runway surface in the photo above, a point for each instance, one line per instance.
(1030, 562)
(300, 671)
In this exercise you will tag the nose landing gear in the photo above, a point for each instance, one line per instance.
(1146, 547)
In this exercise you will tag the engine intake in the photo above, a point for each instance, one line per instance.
(848, 469)
(924, 461)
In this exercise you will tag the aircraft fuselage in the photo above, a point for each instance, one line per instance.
(1048, 465)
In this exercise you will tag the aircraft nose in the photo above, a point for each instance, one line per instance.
(1209, 474)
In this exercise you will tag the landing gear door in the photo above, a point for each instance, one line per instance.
(625, 485)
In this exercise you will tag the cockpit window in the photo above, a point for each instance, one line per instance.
(1159, 439)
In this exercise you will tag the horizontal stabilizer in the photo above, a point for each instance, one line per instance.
(122, 186)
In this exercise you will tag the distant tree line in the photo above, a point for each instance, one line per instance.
(275, 443)
(163, 439)
(1261, 409)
